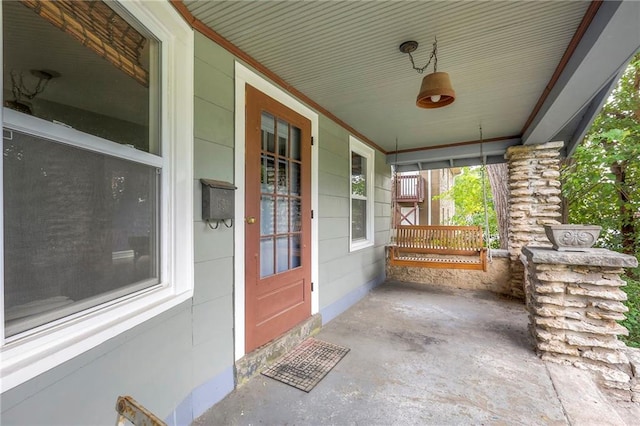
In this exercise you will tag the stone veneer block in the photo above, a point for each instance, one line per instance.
(534, 185)
(574, 301)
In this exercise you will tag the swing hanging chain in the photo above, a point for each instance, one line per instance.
(394, 193)
(484, 197)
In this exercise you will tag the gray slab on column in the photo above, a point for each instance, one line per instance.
(591, 257)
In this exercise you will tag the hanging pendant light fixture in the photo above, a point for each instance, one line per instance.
(436, 90)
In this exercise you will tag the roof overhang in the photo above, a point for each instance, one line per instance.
(572, 100)
(524, 72)
(591, 73)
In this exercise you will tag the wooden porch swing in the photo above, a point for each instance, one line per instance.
(440, 246)
(452, 247)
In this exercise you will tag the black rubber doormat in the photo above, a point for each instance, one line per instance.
(306, 364)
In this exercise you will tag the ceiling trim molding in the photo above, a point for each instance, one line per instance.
(199, 26)
(454, 145)
(466, 154)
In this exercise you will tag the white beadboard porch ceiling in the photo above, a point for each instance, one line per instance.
(344, 56)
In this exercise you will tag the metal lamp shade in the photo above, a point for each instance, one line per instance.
(434, 84)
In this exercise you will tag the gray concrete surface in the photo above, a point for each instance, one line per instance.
(424, 355)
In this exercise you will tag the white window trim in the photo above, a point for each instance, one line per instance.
(29, 354)
(368, 153)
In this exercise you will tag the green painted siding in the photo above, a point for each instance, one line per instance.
(161, 362)
(150, 362)
(342, 272)
(213, 249)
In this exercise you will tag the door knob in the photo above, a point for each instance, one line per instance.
(250, 220)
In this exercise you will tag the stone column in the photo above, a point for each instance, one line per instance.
(574, 301)
(534, 201)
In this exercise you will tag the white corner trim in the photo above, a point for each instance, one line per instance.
(244, 76)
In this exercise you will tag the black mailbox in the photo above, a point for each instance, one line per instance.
(217, 200)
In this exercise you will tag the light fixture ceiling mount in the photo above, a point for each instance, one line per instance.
(409, 46)
(436, 90)
(21, 92)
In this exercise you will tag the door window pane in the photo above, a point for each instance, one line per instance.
(268, 132)
(80, 228)
(283, 138)
(267, 255)
(296, 215)
(283, 215)
(282, 255)
(283, 180)
(294, 171)
(267, 215)
(294, 251)
(268, 174)
(296, 140)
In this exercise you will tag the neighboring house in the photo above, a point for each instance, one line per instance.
(443, 209)
(113, 284)
(416, 197)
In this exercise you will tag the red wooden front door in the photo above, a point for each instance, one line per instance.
(278, 219)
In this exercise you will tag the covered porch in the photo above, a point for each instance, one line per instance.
(531, 76)
(427, 354)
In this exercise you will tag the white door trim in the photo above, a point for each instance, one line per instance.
(244, 76)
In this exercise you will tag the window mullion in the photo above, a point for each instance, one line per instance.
(47, 130)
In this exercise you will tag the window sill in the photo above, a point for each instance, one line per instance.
(360, 244)
(32, 353)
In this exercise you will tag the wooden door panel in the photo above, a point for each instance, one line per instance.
(279, 300)
(278, 197)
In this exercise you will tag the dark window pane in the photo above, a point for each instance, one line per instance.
(268, 133)
(268, 174)
(80, 229)
(294, 251)
(267, 255)
(294, 170)
(283, 138)
(282, 254)
(283, 179)
(296, 140)
(358, 219)
(51, 74)
(296, 215)
(358, 175)
(282, 215)
(267, 215)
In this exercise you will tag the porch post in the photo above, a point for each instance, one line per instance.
(534, 201)
(574, 301)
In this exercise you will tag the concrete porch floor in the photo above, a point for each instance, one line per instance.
(427, 355)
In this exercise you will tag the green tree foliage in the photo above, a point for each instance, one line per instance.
(601, 183)
(632, 323)
(466, 194)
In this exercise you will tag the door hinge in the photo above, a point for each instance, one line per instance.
(311, 285)
(311, 214)
(312, 141)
